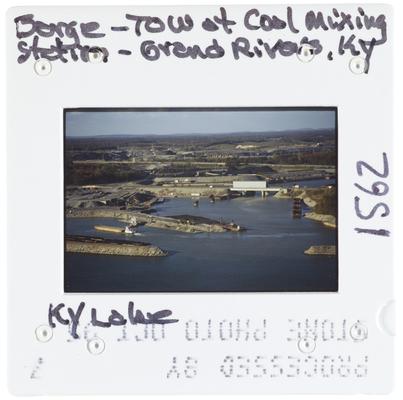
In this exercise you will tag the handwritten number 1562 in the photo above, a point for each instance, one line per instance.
(378, 188)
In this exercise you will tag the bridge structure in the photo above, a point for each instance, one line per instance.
(254, 186)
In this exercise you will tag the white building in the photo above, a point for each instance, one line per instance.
(249, 185)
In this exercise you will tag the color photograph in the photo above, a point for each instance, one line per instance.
(200, 200)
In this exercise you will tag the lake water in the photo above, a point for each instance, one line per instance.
(269, 256)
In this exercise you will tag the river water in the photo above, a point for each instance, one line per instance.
(269, 256)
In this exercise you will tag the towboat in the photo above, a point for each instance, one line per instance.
(130, 230)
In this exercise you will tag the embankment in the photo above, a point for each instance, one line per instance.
(324, 250)
(322, 202)
(327, 220)
(97, 245)
(189, 224)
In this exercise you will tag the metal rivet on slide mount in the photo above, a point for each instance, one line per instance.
(306, 53)
(96, 345)
(95, 55)
(43, 67)
(306, 345)
(43, 333)
(358, 65)
(358, 332)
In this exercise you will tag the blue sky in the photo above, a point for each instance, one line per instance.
(90, 123)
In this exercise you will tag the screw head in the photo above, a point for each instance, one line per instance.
(306, 344)
(357, 65)
(95, 55)
(43, 333)
(43, 67)
(95, 345)
(306, 53)
(358, 332)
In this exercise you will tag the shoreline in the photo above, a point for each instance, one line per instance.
(101, 246)
(321, 250)
(188, 224)
(182, 223)
(326, 219)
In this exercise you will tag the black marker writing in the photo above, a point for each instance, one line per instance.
(75, 318)
(156, 25)
(152, 51)
(243, 47)
(378, 188)
(340, 21)
(119, 28)
(377, 232)
(54, 312)
(96, 322)
(359, 34)
(265, 22)
(67, 39)
(124, 52)
(115, 318)
(224, 21)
